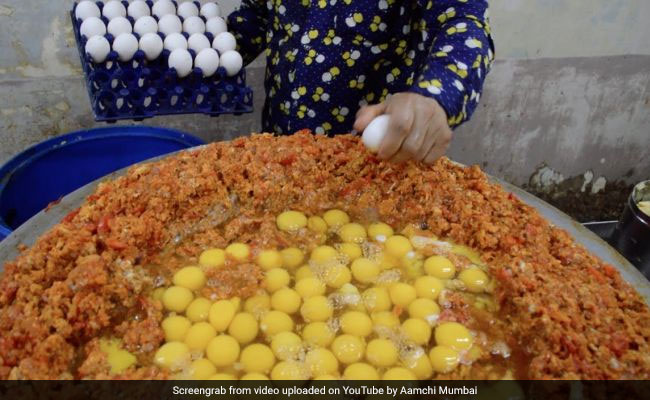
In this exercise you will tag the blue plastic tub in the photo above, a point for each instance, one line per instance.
(51, 169)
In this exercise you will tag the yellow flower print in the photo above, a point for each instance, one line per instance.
(444, 51)
(290, 55)
(302, 111)
(454, 119)
(474, 20)
(318, 94)
(305, 3)
(322, 3)
(351, 57)
(394, 73)
(329, 75)
(297, 93)
(377, 24)
(458, 28)
(276, 59)
(401, 47)
(313, 34)
(447, 15)
(408, 61)
(284, 107)
(326, 127)
(434, 86)
(309, 58)
(384, 94)
(357, 83)
(331, 38)
(459, 68)
(473, 43)
(340, 113)
(370, 97)
(477, 61)
(353, 20)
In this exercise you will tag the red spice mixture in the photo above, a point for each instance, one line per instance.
(567, 314)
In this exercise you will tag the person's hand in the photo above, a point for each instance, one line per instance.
(417, 127)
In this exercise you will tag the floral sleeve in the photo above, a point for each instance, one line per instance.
(460, 57)
(249, 24)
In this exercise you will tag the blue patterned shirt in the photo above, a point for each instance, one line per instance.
(327, 58)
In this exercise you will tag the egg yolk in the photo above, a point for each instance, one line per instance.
(360, 372)
(454, 335)
(239, 251)
(380, 231)
(439, 267)
(336, 218)
(269, 259)
(352, 233)
(474, 279)
(213, 258)
(258, 358)
(291, 221)
(348, 349)
(443, 358)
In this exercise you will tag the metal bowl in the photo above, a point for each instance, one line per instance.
(43, 221)
(632, 234)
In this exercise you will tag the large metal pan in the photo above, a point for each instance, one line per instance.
(28, 232)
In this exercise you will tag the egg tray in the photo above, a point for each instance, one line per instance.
(141, 89)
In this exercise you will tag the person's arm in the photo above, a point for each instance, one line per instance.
(448, 88)
(460, 58)
(249, 24)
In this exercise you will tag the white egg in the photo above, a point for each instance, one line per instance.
(210, 10)
(125, 45)
(138, 9)
(169, 24)
(163, 7)
(92, 26)
(86, 9)
(208, 61)
(181, 60)
(216, 25)
(193, 25)
(232, 62)
(152, 45)
(144, 25)
(118, 26)
(375, 132)
(198, 42)
(113, 9)
(187, 9)
(98, 48)
(223, 42)
(175, 41)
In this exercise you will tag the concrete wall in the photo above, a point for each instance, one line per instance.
(568, 96)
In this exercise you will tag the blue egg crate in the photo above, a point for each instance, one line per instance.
(141, 89)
